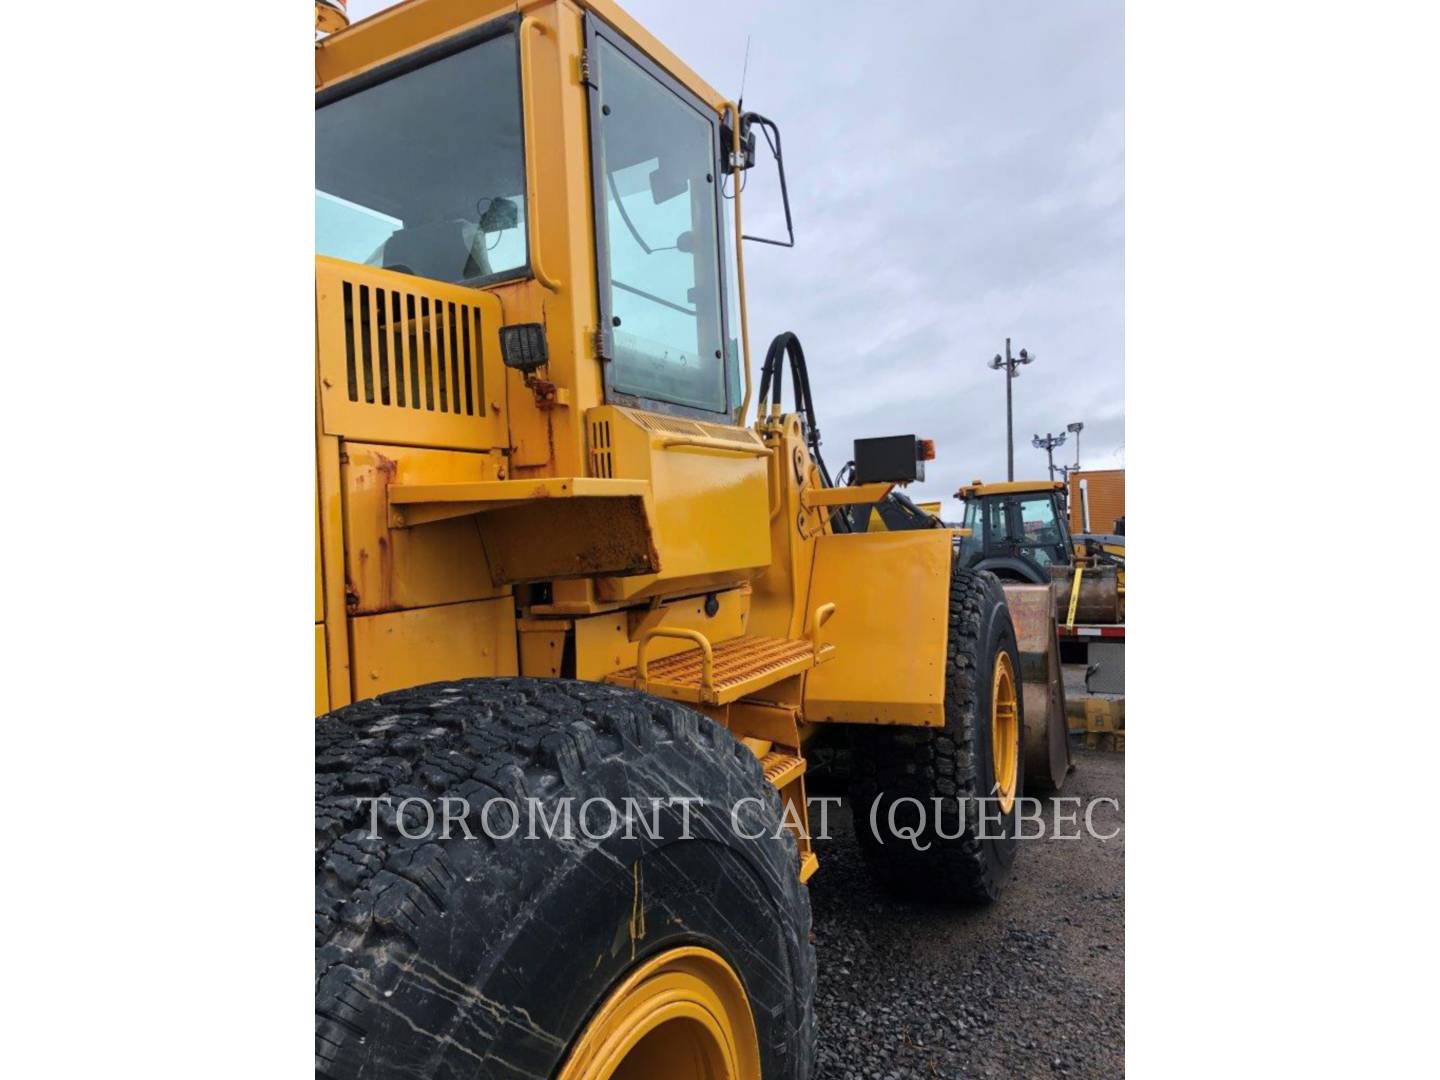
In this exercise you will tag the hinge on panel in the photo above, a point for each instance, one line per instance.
(585, 79)
(601, 352)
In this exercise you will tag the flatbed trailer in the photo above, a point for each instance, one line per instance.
(1101, 648)
(1110, 632)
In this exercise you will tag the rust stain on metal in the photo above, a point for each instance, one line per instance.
(552, 537)
(385, 473)
(387, 469)
(387, 573)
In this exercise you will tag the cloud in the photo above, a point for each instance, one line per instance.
(956, 176)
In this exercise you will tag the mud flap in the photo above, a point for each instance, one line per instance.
(1047, 744)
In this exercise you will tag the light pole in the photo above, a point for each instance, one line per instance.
(1076, 428)
(1011, 366)
(1048, 444)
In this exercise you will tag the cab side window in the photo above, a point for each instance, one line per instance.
(654, 165)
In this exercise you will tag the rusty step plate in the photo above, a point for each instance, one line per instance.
(740, 666)
(781, 768)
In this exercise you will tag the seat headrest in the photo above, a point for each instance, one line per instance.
(434, 249)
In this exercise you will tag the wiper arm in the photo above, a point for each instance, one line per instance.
(625, 217)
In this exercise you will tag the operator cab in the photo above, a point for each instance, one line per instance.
(1018, 530)
(424, 167)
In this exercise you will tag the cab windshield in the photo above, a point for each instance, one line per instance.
(424, 172)
(1040, 530)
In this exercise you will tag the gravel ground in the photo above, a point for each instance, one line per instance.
(1032, 986)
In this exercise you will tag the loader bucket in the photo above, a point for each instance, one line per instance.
(1100, 594)
(1047, 743)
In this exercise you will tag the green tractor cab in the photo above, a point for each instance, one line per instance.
(1018, 530)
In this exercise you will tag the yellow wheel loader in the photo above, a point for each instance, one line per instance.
(578, 616)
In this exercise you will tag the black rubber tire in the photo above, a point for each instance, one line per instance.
(484, 958)
(952, 764)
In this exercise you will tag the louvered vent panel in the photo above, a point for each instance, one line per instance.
(602, 460)
(403, 359)
(408, 350)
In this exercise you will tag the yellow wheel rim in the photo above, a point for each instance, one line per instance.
(682, 1015)
(1005, 731)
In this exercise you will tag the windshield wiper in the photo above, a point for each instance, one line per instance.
(625, 217)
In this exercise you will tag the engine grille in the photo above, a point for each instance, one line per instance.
(407, 349)
(405, 360)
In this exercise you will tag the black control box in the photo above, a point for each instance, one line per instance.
(893, 459)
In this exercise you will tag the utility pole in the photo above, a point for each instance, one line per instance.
(1011, 366)
(1076, 428)
(1048, 444)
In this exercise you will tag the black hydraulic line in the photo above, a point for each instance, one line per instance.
(786, 346)
(767, 371)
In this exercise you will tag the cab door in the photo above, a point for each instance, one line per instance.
(659, 237)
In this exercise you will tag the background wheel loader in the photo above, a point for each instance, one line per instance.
(1020, 531)
(558, 565)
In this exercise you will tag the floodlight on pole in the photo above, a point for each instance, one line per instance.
(1076, 427)
(1011, 365)
(1048, 444)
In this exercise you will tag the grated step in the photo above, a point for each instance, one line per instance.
(781, 768)
(740, 666)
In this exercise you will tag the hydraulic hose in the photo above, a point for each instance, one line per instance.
(786, 346)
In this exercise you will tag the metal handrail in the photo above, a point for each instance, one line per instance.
(822, 616)
(740, 255)
(714, 444)
(532, 202)
(707, 662)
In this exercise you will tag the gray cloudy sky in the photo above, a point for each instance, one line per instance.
(956, 172)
